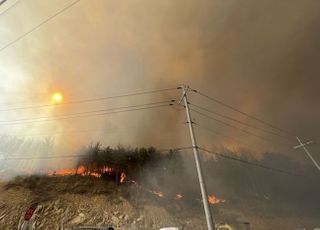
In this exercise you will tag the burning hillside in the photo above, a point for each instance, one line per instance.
(68, 201)
(143, 188)
(110, 173)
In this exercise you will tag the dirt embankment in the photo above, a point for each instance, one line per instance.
(71, 201)
(67, 202)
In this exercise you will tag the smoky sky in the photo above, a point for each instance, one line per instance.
(259, 56)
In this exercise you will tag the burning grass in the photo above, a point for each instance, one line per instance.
(142, 175)
(145, 169)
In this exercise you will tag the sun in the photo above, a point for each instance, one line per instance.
(56, 98)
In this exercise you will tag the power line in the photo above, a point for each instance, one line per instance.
(39, 25)
(48, 133)
(174, 149)
(91, 99)
(6, 10)
(232, 126)
(92, 115)
(82, 113)
(250, 163)
(44, 157)
(227, 136)
(54, 134)
(79, 155)
(238, 121)
(218, 133)
(244, 113)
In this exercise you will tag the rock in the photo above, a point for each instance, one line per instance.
(40, 208)
(115, 220)
(140, 219)
(57, 202)
(78, 219)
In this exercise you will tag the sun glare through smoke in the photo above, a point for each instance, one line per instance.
(56, 98)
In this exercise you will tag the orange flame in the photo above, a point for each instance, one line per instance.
(159, 194)
(82, 171)
(178, 196)
(123, 177)
(215, 200)
(68, 172)
(62, 172)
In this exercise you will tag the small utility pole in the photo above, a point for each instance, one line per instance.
(303, 146)
(209, 219)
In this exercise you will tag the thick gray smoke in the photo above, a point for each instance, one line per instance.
(260, 56)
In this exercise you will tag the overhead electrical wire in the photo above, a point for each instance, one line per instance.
(39, 25)
(82, 113)
(244, 113)
(48, 133)
(7, 9)
(89, 115)
(166, 150)
(141, 107)
(78, 155)
(43, 157)
(145, 92)
(232, 126)
(54, 134)
(250, 163)
(197, 125)
(238, 121)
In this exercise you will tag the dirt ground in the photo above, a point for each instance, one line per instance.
(67, 202)
(71, 201)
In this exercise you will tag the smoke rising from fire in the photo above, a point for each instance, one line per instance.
(260, 56)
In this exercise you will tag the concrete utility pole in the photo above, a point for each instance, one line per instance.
(303, 146)
(3, 1)
(207, 211)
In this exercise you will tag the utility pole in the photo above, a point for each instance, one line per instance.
(204, 195)
(303, 146)
(3, 1)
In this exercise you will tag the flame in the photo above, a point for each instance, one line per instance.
(159, 194)
(82, 171)
(215, 200)
(107, 170)
(62, 172)
(133, 182)
(68, 172)
(123, 177)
